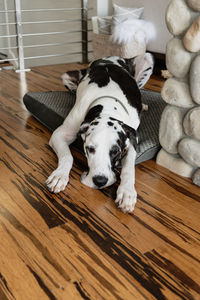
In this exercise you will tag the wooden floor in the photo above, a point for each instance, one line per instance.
(77, 245)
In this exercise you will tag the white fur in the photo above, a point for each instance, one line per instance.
(141, 30)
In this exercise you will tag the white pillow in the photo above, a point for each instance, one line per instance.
(122, 13)
(104, 24)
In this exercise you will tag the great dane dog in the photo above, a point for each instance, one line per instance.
(106, 114)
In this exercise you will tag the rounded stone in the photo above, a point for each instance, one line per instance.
(174, 164)
(191, 39)
(194, 4)
(178, 60)
(191, 123)
(171, 129)
(178, 17)
(195, 79)
(196, 177)
(176, 92)
(189, 149)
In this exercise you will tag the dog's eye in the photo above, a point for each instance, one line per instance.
(114, 151)
(90, 149)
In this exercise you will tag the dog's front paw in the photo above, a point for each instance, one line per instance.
(126, 199)
(57, 181)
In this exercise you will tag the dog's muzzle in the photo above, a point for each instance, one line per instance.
(97, 181)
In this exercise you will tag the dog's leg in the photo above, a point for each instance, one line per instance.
(60, 140)
(126, 193)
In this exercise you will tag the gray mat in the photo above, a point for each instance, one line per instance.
(50, 108)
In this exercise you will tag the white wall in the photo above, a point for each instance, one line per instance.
(104, 7)
(154, 11)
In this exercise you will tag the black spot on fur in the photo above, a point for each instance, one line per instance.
(98, 72)
(122, 143)
(90, 150)
(131, 134)
(113, 119)
(122, 139)
(127, 84)
(125, 64)
(93, 113)
(115, 155)
(99, 75)
(110, 123)
(83, 129)
(148, 69)
(95, 123)
(83, 72)
(115, 108)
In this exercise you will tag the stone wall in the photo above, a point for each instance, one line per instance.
(179, 132)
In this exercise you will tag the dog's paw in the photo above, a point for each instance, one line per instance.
(126, 199)
(57, 181)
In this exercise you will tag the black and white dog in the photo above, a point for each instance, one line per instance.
(107, 115)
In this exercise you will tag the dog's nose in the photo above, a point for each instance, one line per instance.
(100, 180)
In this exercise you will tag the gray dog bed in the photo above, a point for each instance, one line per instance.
(51, 108)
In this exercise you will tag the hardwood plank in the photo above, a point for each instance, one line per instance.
(155, 83)
(35, 267)
(31, 250)
(176, 267)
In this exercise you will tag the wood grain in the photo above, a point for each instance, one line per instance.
(77, 244)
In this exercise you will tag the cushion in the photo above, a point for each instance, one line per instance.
(121, 13)
(104, 25)
(51, 108)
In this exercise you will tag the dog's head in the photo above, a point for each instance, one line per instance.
(105, 141)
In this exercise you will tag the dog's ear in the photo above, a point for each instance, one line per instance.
(141, 68)
(131, 134)
(83, 129)
(71, 79)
